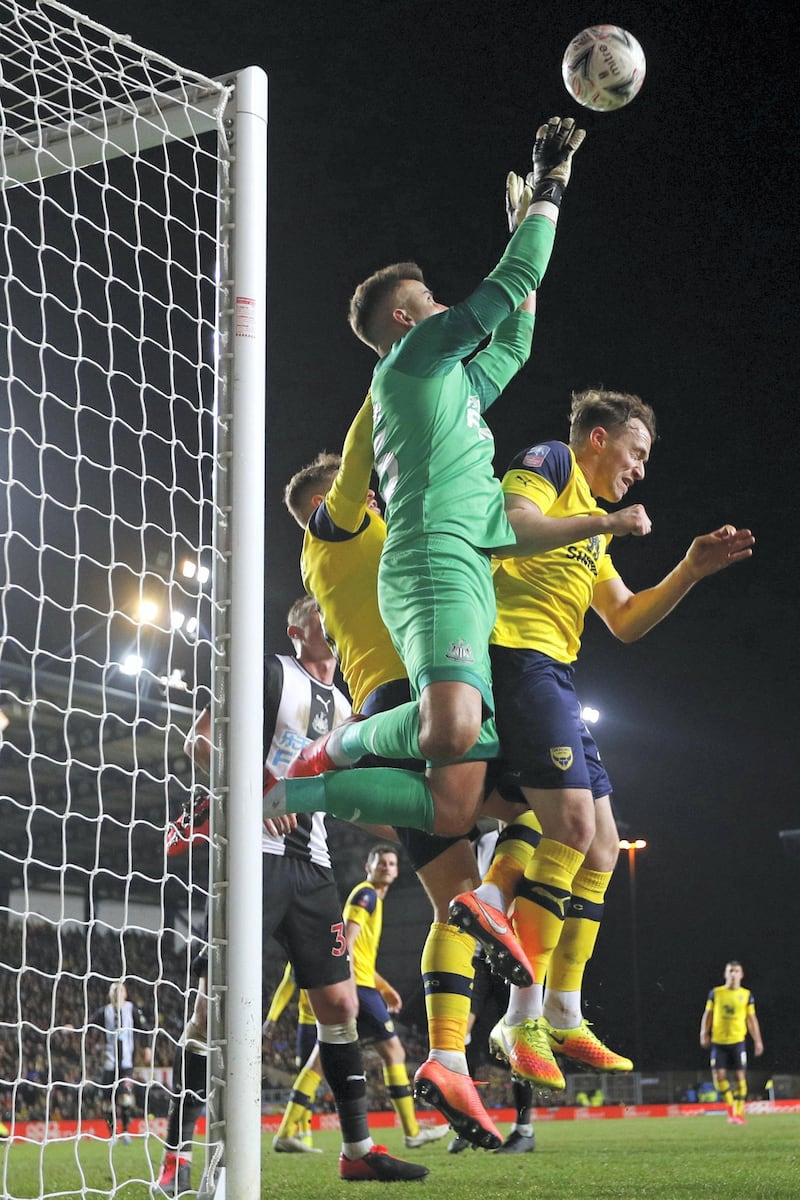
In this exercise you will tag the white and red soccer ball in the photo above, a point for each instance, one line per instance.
(603, 67)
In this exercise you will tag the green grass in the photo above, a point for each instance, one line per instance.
(675, 1158)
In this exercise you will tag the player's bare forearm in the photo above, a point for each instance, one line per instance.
(393, 999)
(536, 532)
(640, 612)
(754, 1029)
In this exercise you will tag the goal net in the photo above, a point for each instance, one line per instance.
(132, 240)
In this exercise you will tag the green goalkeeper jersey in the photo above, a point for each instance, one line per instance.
(433, 451)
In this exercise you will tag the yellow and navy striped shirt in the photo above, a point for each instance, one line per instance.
(339, 565)
(365, 907)
(542, 600)
(730, 1008)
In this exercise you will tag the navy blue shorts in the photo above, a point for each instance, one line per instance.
(305, 1042)
(730, 1057)
(544, 740)
(375, 1022)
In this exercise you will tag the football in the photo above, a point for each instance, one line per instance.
(603, 67)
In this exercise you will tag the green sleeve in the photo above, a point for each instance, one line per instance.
(494, 367)
(435, 345)
(522, 267)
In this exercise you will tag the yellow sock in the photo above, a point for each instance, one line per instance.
(447, 975)
(301, 1102)
(726, 1095)
(739, 1097)
(542, 901)
(395, 1076)
(579, 934)
(514, 850)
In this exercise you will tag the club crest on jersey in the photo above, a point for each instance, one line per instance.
(460, 651)
(535, 456)
(320, 723)
(561, 757)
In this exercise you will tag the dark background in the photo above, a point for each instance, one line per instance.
(392, 126)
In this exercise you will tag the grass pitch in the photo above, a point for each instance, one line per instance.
(673, 1158)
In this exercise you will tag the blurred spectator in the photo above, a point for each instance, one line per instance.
(51, 981)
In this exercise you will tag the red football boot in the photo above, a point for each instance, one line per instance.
(191, 826)
(491, 927)
(314, 759)
(456, 1097)
(380, 1165)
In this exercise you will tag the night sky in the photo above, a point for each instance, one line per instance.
(392, 127)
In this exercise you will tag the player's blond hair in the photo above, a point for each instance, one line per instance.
(301, 610)
(612, 410)
(365, 313)
(306, 482)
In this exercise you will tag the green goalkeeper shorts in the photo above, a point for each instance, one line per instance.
(437, 600)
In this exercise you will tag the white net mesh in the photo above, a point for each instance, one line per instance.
(110, 166)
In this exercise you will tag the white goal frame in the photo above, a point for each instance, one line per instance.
(234, 109)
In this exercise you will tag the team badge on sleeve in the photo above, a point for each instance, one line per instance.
(561, 757)
(460, 651)
(535, 456)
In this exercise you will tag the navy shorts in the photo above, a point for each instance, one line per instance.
(544, 740)
(375, 1022)
(730, 1057)
(304, 1044)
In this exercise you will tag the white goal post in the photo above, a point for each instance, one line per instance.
(132, 441)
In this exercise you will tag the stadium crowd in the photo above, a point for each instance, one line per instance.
(52, 980)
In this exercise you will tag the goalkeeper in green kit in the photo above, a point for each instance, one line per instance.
(445, 519)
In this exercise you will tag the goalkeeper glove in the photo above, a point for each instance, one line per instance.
(519, 193)
(555, 144)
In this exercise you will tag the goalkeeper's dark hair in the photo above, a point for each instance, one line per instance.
(306, 482)
(612, 410)
(369, 295)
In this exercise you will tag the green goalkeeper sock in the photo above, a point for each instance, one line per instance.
(390, 734)
(374, 796)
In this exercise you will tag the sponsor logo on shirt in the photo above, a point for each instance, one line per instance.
(586, 553)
